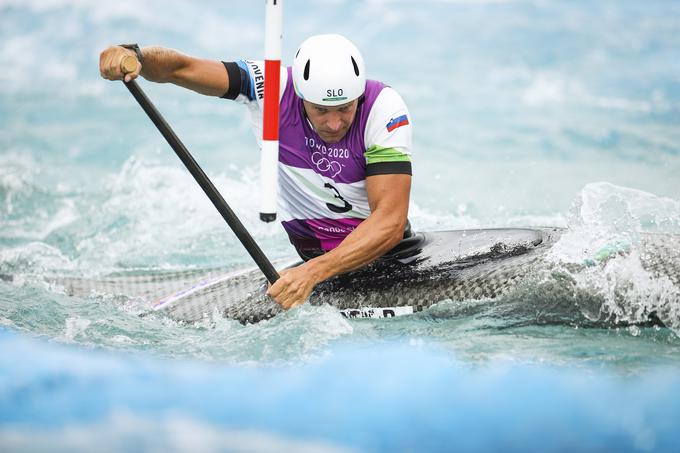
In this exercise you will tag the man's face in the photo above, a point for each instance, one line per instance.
(331, 123)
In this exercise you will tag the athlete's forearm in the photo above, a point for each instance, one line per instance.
(375, 236)
(163, 65)
(388, 198)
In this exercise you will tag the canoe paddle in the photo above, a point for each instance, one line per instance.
(129, 64)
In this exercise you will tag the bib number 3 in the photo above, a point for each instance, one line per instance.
(335, 208)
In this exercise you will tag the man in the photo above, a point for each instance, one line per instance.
(344, 159)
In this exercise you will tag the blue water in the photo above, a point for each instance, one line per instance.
(525, 113)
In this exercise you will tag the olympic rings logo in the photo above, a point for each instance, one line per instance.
(324, 165)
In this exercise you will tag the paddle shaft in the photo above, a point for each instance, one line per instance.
(202, 179)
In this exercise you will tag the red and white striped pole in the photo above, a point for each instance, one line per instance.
(269, 158)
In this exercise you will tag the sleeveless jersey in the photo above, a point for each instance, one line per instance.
(322, 186)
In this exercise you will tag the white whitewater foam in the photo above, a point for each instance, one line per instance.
(34, 257)
(605, 224)
(604, 215)
(631, 293)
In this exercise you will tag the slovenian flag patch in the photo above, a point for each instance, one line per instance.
(397, 122)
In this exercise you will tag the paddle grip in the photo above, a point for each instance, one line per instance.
(128, 64)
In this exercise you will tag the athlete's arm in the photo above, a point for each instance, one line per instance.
(163, 65)
(388, 197)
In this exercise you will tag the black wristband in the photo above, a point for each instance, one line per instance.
(137, 50)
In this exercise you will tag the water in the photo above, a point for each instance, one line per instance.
(525, 113)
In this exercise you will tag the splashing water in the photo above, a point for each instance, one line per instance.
(605, 233)
(512, 126)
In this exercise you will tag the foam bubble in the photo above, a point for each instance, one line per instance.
(75, 326)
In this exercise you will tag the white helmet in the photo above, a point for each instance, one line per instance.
(328, 70)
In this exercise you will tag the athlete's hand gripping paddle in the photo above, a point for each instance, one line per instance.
(128, 65)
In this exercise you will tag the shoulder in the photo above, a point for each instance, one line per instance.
(382, 96)
(389, 98)
(252, 74)
(389, 119)
(387, 136)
